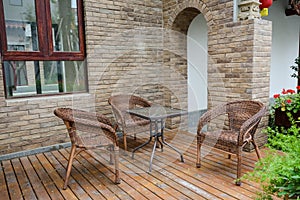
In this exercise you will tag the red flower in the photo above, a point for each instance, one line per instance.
(289, 101)
(276, 96)
(298, 87)
(290, 91)
(284, 91)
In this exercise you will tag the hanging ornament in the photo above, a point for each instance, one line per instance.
(265, 3)
(264, 7)
(264, 12)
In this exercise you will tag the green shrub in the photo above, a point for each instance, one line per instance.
(279, 171)
(280, 138)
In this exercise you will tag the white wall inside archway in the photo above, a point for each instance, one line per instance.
(197, 64)
(285, 47)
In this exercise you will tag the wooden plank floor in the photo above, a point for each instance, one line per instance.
(41, 176)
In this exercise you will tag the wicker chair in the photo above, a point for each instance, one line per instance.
(243, 119)
(129, 124)
(88, 131)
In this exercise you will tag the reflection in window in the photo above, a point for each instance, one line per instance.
(21, 27)
(65, 25)
(48, 77)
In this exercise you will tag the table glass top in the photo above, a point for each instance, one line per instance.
(157, 112)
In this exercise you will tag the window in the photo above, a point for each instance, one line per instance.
(42, 47)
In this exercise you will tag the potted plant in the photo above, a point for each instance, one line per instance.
(286, 107)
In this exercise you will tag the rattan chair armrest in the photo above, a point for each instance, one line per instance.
(210, 115)
(251, 123)
(68, 114)
(93, 116)
(119, 116)
(103, 119)
(140, 101)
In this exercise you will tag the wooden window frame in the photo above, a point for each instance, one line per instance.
(45, 40)
(45, 50)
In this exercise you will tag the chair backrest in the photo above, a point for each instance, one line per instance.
(93, 124)
(124, 101)
(121, 103)
(240, 111)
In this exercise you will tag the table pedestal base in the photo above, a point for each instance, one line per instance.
(157, 136)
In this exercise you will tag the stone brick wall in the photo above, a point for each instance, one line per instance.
(123, 47)
(131, 49)
(29, 123)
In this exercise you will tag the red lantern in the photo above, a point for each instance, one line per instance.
(265, 3)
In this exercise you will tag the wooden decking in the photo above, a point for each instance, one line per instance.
(41, 176)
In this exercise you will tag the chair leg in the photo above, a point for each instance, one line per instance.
(69, 166)
(111, 149)
(116, 159)
(256, 149)
(198, 162)
(239, 167)
(125, 143)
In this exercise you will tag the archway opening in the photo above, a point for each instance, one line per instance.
(192, 23)
(197, 64)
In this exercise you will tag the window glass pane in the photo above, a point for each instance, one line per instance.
(21, 27)
(19, 78)
(67, 76)
(64, 25)
(49, 77)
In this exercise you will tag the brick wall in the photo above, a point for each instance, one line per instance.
(239, 52)
(131, 49)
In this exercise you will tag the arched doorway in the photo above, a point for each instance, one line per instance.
(197, 70)
(193, 25)
(191, 20)
(197, 64)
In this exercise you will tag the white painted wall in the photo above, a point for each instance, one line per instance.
(197, 64)
(285, 45)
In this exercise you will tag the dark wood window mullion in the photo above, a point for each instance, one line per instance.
(81, 26)
(42, 26)
(48, 26)
(43, 41)
(3, 46)
(51, 51)
(3, 42)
